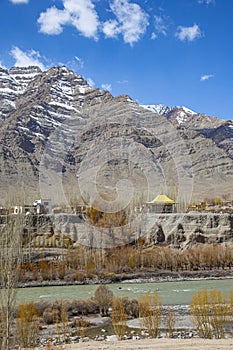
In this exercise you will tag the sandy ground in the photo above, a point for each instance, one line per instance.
(171, 344)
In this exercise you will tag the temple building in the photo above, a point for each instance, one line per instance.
(161, 204)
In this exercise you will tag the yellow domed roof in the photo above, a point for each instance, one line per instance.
(162, 198)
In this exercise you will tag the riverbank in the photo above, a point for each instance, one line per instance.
(171, 292)
(175, 297)
(144, 276)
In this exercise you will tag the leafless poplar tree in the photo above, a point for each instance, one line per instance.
(10, 260)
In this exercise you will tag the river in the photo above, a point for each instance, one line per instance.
(172, 293)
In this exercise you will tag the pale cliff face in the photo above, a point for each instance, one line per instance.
(181, 230)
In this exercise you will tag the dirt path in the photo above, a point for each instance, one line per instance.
(158, 344)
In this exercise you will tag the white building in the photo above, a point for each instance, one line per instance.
(24, 209)
(43, 206)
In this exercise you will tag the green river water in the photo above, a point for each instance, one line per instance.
(172, 293)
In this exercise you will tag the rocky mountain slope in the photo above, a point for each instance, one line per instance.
(61, 138)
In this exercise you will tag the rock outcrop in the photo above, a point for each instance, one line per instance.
(181, 230)
(187, 229)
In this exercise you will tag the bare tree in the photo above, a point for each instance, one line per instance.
(10, 261)
(150, 312)
(104, 297)
(170, 321)
(27, 325)
(210, 313)
(119, 317)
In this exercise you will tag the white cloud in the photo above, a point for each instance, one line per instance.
(160, 25)
(188, 33)
(207, 2)
(19, 1)
(206, 77)
(83, 16)
(75, 64)
(154, 36)
(107, 87)
(25, 59)
(80, 61)
(124, 81)
(2, 65)
(90, 82)
(80, 14)
(131, 21)
(52, 20)
(111, 28)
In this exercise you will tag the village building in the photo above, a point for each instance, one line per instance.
(40, 206)
(24, 209)
(3, 210)
(161, 204)
(43, 206)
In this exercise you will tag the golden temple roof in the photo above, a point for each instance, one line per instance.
(163, 199)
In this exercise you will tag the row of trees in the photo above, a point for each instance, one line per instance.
(81, 263)
(212, 313)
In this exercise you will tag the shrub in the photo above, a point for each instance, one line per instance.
(51, 315)
(150, 312)
(64, 327)
(27, 325)
(77, 276)
(118, 316)
(131, 307)
(210, 312)
(82, 307)
(103, 297)
(40, 307)
(80, 325)
(61, 270)
(170, 322)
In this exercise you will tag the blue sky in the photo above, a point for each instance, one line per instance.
(175, 52)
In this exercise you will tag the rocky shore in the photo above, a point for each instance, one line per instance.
(101, 335)
(100, 329)
(137, 277)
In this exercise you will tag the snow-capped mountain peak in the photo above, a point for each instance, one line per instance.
(158, 108)
(187, 110)
(178, 114)
(55, 114)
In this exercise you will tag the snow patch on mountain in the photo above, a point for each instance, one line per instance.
(159, 108)
(13, 83)
(181, 117)
(23, 76)
(181, 113)
(187, 110)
